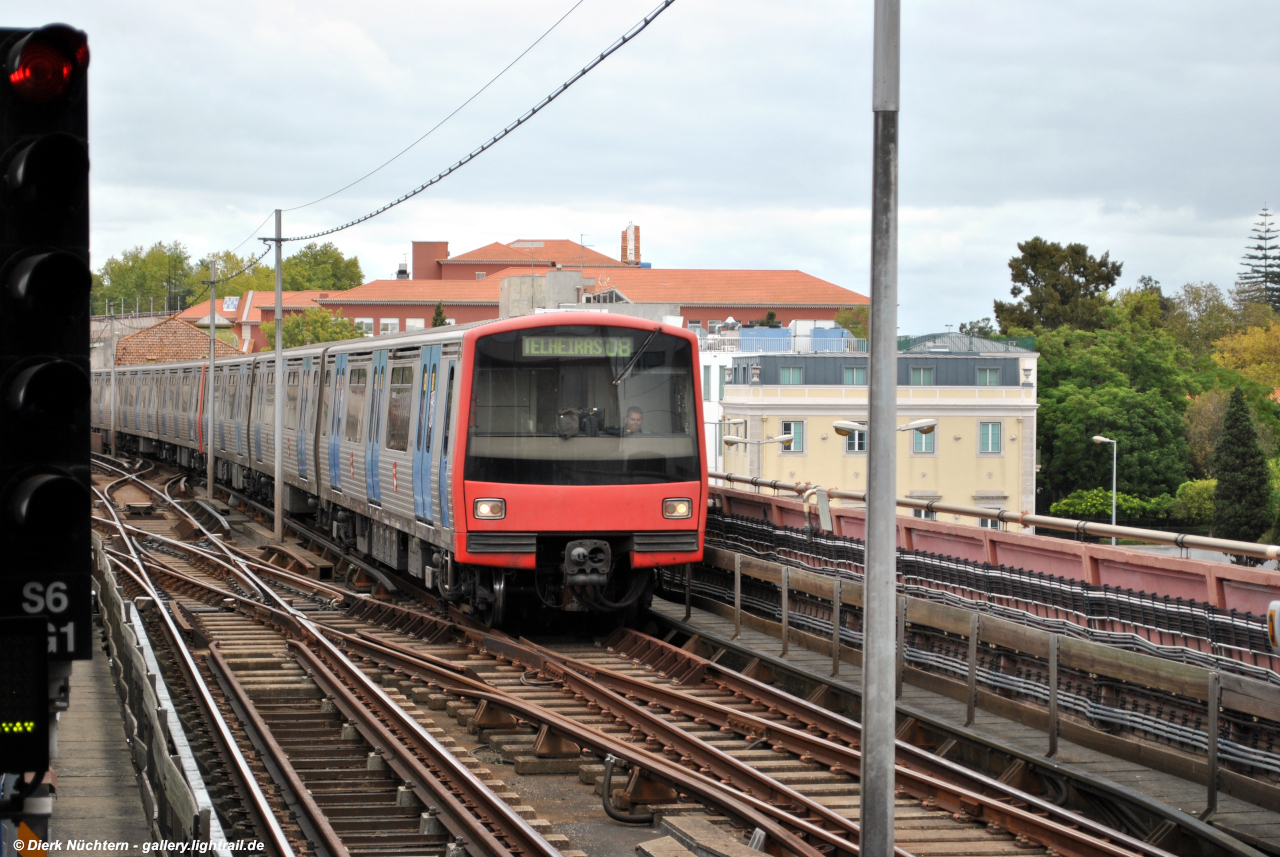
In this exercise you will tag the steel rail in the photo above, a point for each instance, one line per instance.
(680, 664)
(925, 774)
(1069, 525)
(255, 799)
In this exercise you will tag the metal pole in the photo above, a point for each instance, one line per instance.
(1053, 695)
(1212, 804)
(737, 596)
(1114, 446)
(786, 611)
(112, 334)
(278, 416)
(878, 708)
(835, 626)
(213, 339)
(975, 628)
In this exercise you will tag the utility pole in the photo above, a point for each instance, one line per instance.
(278, 416)
(213, 340)
(880, 594)
(111, 322)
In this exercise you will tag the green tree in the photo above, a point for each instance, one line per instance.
(162, 274)
(312, 325)
(321, 267)
(1056, 286)
(1242, 499)
(1201, 314)
(1260, 279)
(1153, 457)
(1194, 501)
(437, 318)
(981, 327)
(1095, 503)
(856, 320)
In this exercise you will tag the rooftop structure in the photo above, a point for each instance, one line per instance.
(168, 341)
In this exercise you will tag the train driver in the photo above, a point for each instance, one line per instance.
(635, 422)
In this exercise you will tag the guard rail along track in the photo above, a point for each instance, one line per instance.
(668, 759)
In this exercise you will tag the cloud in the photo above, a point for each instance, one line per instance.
(737, 134)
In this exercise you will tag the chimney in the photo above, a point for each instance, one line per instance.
(631, 245)
(403, 273)
(427, 256)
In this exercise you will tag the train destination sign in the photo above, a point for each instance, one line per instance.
(576, 346)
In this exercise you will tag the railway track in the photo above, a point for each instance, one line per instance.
(365, 717)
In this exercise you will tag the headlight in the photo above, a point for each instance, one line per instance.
(677, 508)
(490, 509)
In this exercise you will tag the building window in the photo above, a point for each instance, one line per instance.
(989, 438)
(415, 324)
(855, 376)
(989, 523)
(924, 513)
(791, 375)
(695, 323)
(479, 275)
(855, 441)
(796, 430)
(922, 443)
(706, 383)
(365, 326)
(922, 376)
(988, 377)
(389, 325)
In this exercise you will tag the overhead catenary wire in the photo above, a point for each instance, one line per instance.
(437, 126)
(488, 144)
(246, 269)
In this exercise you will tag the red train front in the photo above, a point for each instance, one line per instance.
(581, 469)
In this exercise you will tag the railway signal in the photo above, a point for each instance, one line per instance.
(44, 357)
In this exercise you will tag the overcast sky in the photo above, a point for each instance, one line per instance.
(736, 134)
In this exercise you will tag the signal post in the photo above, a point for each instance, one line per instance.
(45, 548)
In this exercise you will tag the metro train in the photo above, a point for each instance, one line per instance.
(543, 463)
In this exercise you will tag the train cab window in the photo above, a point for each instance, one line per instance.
(399, 408)
(583, 405)
(357, 384)
(291, 399)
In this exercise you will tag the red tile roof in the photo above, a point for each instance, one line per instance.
(551, 252)
(251, 304)
(687, 287)
(419, 292)
(168, 341)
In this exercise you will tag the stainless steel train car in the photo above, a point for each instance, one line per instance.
(542, 463)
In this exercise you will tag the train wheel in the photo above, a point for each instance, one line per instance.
(496, 614)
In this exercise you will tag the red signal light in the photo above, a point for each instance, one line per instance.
(42, 65)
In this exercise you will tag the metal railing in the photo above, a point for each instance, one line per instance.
(733, 343)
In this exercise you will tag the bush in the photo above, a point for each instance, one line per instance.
(1194, 501)
(1095, 504)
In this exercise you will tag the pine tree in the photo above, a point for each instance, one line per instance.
(1259, 282)
(438, 319)
(1243, 494)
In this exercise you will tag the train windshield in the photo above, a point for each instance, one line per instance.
(582, 405)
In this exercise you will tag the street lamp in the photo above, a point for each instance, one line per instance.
(922, 426)
(1097, 438)
(784, 439)
(722, 423)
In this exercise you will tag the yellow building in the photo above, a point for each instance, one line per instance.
(981, 392)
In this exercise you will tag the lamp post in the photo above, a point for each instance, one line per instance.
(784, 439)
(723, 423)
(1097, 438)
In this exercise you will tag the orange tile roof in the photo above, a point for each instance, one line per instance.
(168, 341)
(715, 287)
(419, 292)
(200, 312)
(251, 304)
(553, 251)
(687, 287)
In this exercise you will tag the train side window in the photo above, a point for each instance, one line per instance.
(448, 408)
(291, 399)
(400, 407)
(269, 400)
(357, 382)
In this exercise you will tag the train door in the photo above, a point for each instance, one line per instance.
(260, 409)
(422, 505)
(356, 425)
(238, 407)
(335, 421)
(303, 398)
(266, 434)
(134, 404)
(373, 438)
(396, 455)
(449, 371)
